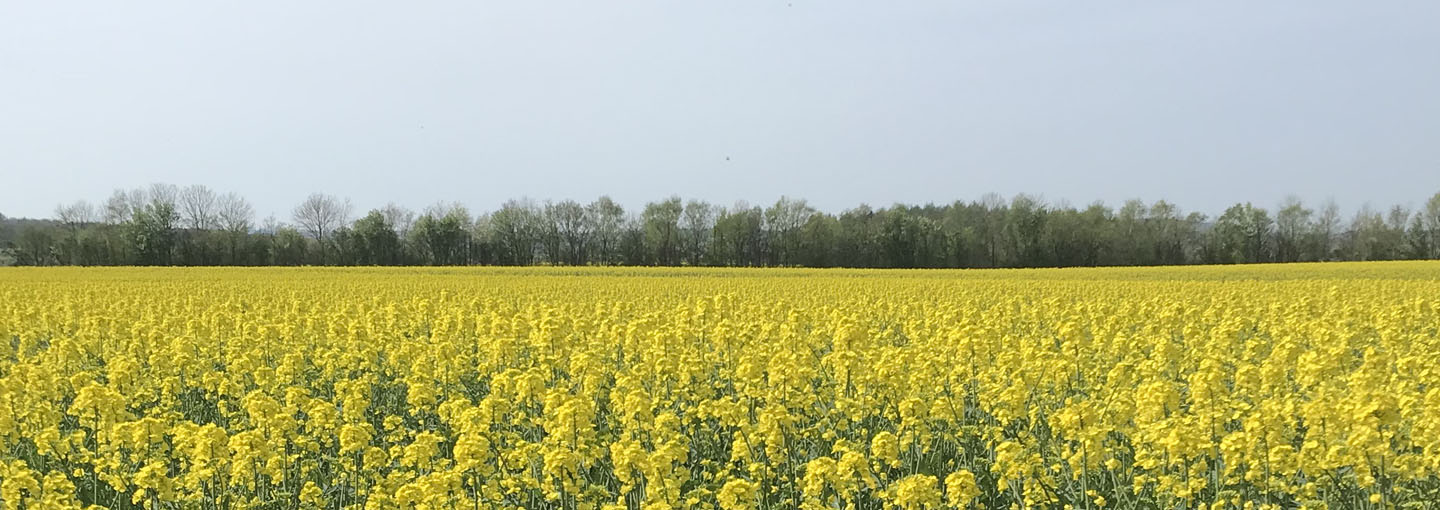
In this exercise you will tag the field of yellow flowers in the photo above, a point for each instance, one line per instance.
(1281, 386)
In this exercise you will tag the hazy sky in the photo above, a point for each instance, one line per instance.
(840, 102)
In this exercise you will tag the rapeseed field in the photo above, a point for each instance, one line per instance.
(1245, 387)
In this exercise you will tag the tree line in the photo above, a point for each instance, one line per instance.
(168, 225)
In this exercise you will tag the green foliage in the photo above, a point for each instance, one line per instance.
(662, 230)
(442, 241)
(375, 242)
(151, 232)
(991, 232)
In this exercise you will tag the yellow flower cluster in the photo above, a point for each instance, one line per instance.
(1283, 386)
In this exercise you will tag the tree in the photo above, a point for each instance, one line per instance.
(1257, 225)
(319, 215)
(36, 247)
(151, 231)
(697, 227)
(1025, 229)
(1240, 234)
(515, 230)
(163, 224)
(1417, 239)
(1133, 236)
(737, 236)
(1077, 238)
(118, 207)
(376, 242)
(574, 227)
(817, 240)
(1292, 225)
(233, 215)
(1325, 230)
(609, 220)
(287, 247)
(73, 217)
(1377, 236)
(1430, 219)
(159, 193)
(1171, 234)
(900, 234)
(442, 234)
(399, 218)
(1194, 228)
(858, 243)
(632, 249)
(992, 226)
(1396, 222)
(782, 228)
(661, 222)
(197, 208)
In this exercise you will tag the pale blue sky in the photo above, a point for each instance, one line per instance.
(840, 102)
